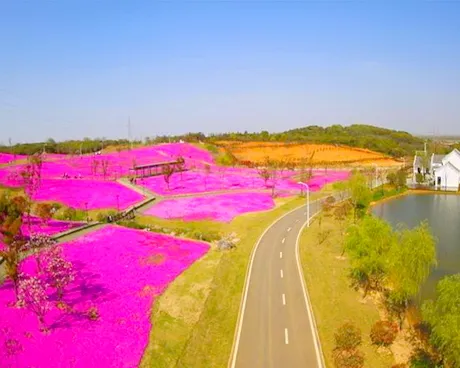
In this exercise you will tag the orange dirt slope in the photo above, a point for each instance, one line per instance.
(324, 154)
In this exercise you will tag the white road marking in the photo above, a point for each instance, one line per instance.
(282, 241)
(286, 336)
(284, 299)
(281, 254)
(311, 317)
(239, 323)
(289, 229)
(281, 272)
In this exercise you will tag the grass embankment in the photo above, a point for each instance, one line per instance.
(194, 320)
(334, 300)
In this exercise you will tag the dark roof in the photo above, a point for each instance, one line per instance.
(437, 159)
(156, 164)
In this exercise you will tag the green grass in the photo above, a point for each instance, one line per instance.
(334, 301)
(194, 320)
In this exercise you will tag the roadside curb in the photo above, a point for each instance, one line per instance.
(319, 351)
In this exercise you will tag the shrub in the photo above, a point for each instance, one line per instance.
(104, 216)
(69, 213)
(349, 359)
(384, 333)
(347, 337)
(93, 313)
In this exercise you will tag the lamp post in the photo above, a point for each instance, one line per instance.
(308, 201)
(86, 208)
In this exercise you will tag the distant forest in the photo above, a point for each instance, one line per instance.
(390, 142)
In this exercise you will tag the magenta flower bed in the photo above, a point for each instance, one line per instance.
(55, 166)
(221, 207)
(120, 271)
(8, 157)
(52, 227)
(220, 179)
(198, 182)
(96, 194)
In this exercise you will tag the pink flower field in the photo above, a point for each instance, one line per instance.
(220, 179)
(221, 207)
(8, 157)
(119, 163)
(52, 227)
(120, 271)
(97, 194)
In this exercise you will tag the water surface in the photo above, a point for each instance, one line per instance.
(442, 211)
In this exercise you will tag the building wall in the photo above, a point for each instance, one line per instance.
(450, 178)
(453, 158)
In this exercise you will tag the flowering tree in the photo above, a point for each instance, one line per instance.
(44, 211)
(60, 272)
(37, 243)
(32, 295)
(10, 230)
(31, 176)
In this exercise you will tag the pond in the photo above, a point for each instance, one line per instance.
(442, 211)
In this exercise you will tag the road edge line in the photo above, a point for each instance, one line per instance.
(239, 323)
(311, 315)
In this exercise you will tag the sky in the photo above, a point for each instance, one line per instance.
(74, 69)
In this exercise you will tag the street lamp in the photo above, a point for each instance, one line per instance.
(308, 201)
(86, 208)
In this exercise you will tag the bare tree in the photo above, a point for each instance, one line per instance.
(105, 167)
(167, 171)
(207, 171)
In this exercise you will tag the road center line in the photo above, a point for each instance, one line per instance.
(284, 299)
(286, 336)
(289, 229)
(282, 274)
(282, 241)
(281, 254)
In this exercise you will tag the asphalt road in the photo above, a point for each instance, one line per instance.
(275, 328)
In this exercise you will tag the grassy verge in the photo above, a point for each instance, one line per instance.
(334, 301)
(195, 319)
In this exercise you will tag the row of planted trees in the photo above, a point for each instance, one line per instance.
(395, 263)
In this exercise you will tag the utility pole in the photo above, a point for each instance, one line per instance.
(129, 133)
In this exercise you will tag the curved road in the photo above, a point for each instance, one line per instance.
(276, 327)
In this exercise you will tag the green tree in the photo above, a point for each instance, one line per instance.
(368, 244)
(360, 194)
(443, 316)
(419, 178)
(410, 260)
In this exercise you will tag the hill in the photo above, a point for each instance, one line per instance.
(389, 142)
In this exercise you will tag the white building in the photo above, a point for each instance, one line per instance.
(443, 171)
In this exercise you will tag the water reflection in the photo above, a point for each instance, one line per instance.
(442, 211)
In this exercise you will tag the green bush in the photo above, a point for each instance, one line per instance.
(104, 216)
